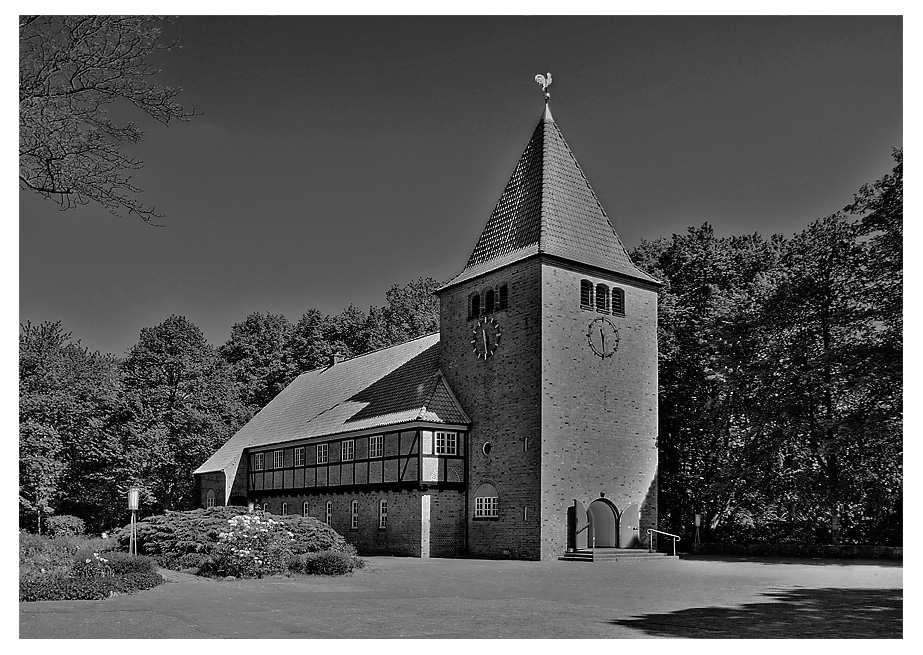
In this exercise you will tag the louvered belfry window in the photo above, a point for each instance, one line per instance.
(602, 298)
(586, 294)
(475, 305)
(503, 300)
(618, 301)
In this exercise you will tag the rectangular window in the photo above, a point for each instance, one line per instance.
(382, 514)
(258, 461)
(277, 459)
(376, 446)
(328, 512)
(299, 456)
(322, 454)
(354, 515)
(347, 450)
(618, 301)
(446, 443)
(485, 506)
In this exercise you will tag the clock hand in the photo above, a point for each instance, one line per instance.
(484, 334)
(602, 338)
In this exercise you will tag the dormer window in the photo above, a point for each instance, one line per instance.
(586, 294)
(602, 298)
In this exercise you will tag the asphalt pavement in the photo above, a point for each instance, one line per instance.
(393, 597)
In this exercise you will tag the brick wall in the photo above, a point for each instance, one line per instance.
(502, 396)
(599, 416)
(402, 534)
(215, 483)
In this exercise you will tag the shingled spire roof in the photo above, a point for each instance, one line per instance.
(549, 207)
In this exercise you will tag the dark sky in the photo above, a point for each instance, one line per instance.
(338, 156)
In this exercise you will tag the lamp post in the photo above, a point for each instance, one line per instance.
(698, 522)
(134, 494)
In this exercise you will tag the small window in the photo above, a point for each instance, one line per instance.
(277, 459)
(485, 506)
(328, 512)
(354, 515)
(299, 456)
(304, 509)
(382, 514)
(446, 443)
(475, 305)
(284, 509)
(321, 453)
(347, 450)
(489, 301)
(586, 294)
(618, 301)
(376, 446)
(503, 297)
(258, 461)
(210, 498)
(602, 298)
(486, 502)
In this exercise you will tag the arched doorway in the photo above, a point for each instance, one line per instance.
(604, 524)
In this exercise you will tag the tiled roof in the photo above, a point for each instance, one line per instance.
(382, 388)
(549, 207)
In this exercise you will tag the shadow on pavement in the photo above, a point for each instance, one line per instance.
(791, 614)
(813, 561)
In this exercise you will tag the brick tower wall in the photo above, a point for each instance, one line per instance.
(599, 416)
(502, 396)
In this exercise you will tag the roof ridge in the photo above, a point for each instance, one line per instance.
(371, 352)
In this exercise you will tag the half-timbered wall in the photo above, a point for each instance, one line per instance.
(407, 459)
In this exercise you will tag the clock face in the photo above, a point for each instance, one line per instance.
(485, 338)
(603, 337)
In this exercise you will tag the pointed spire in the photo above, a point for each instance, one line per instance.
(549, 207)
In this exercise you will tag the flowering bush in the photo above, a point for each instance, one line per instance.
(95, 566)
(252, 547)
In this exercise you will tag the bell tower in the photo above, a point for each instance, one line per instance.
(549, 341)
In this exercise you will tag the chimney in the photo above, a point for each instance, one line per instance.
(336, 358)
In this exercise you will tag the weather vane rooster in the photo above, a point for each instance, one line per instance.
(545, 81)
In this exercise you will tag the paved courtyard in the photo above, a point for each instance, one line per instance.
(412, 598)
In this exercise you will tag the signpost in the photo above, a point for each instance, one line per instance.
(134, 495)
(698, 522)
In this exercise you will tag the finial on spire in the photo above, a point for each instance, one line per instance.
(545, 81)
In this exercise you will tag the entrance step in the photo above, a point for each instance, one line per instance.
(612, 554)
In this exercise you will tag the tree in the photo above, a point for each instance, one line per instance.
(70, 69)
(183, 405)
(257, 353)
(67, 401)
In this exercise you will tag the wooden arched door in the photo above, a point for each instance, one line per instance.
(629, 527)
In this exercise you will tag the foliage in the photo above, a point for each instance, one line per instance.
(65, 525)
(70, 69)
(181, 405)
(77, 568)
(67, 399)
(780, 377)
(325, 562)
(98, 588)
(257, 353)
(251, 547)
(183, 539)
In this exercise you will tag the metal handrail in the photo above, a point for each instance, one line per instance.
(650, 540)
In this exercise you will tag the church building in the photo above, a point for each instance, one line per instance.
(525, 428)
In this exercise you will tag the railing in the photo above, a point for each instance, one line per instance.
(650, 539)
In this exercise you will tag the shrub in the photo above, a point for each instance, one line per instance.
(326, 562)
(65, 525)
(95, 566)
(42, 555)
(252, 547)
(93, 588)
(173, 536)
